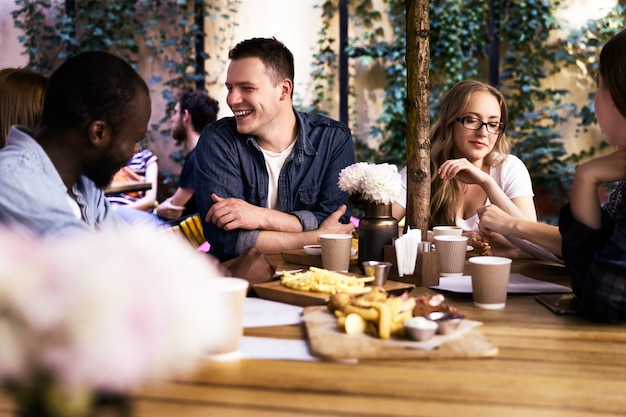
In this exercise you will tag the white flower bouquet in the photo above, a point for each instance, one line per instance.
(93, 313)
(378, 183)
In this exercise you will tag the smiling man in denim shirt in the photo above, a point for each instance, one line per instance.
(267, 177)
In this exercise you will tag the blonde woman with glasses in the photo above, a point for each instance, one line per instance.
(471, 163)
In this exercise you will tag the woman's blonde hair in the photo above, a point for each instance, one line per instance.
(21, 99)
(446, 196)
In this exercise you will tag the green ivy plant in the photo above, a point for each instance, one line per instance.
(460, 37)
(165, 29)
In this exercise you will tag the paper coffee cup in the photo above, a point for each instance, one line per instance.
(336, 250)
(490, 280)
(452, 250)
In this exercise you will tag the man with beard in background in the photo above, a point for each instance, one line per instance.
(193, 111)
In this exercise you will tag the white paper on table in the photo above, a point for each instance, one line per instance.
(258, 312)
(278, 349)
(518, 284)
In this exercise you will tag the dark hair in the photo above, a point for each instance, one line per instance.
(273, 53)
(90, 86)
(21, 99)
(201, 106)
(613, 69)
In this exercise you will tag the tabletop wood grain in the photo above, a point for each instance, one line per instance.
(547, 365)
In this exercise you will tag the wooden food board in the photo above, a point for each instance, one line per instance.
(330, 342)
(300, 257)
(276, 291)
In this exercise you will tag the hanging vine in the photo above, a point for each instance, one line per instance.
(164, 30)
(460, 36)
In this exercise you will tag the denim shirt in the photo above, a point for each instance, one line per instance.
(230, 164)
(34, 197)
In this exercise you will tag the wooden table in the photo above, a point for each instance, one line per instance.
(547, 365)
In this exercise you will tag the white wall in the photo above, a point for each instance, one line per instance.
(10, 48)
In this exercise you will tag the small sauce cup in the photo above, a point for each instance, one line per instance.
(447, 323)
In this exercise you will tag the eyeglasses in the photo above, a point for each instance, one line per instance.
(474, 124)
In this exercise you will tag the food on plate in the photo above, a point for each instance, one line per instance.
(354, 324)
(382, 315)
(426, 304)
(355, 247)
(323, 280)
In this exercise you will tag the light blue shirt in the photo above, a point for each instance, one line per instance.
(33, 196)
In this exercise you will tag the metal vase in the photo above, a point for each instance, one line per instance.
(376, 229)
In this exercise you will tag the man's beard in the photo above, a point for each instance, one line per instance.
(179, 133)
(102, 173)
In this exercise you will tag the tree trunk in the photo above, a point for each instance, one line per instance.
(418, 115)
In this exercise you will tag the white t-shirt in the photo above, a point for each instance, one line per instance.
(274, 162)
(511, 176)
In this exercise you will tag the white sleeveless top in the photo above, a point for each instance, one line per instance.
(511, 176)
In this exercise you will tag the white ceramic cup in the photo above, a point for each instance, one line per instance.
(226, 298)
(336, 250)
(452, 250)
(490, 280)
(447, 230)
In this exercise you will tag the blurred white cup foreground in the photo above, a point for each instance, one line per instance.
(490, 280)
(226, 300)
(336, 251)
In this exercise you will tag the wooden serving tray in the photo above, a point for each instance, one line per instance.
(326, 340)
(276, 291)
(300, 257)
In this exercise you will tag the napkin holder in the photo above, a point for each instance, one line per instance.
(426, 271)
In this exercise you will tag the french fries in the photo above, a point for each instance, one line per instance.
(383, 315)
(322, 280)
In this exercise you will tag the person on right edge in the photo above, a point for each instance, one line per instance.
(193, 111)
(267, 177)
(594, 242)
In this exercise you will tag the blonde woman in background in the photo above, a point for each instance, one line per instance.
(21, 99)
(471, 163)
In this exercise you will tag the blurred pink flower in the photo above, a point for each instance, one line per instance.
(103, 312)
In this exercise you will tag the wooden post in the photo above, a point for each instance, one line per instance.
(418, 115)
